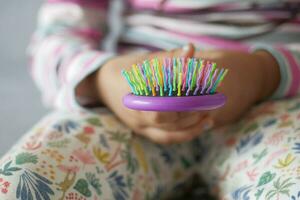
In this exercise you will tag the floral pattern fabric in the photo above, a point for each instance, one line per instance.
(92, 155)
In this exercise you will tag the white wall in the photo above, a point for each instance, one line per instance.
(20, 105)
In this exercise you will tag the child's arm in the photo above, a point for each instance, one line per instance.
(64, 56)
(252, 78)
(64, 48)
(268, 72)
(287, 57)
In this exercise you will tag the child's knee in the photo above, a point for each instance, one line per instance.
(57, 153)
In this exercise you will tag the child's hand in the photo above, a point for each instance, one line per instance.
(160, 127)
(251, 78)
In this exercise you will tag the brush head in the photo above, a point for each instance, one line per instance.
(178, 104)
(174, 84)
(174, 77)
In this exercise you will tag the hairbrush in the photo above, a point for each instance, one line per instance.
(174, 84)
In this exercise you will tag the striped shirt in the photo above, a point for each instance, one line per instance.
(66, 47)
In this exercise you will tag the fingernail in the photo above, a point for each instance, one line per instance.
(208, 125)
(186, 47)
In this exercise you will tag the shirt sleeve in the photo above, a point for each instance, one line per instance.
(288, 59)
(64, 49)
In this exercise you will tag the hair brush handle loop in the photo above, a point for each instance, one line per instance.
(182, 103)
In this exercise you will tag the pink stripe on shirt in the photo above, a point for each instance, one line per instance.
(169, 6)
(218, 43)
(87, 64)
(87, 3)
(65, 67)
(91, 34)
(51, 66)
(295, 71)
(154, 4)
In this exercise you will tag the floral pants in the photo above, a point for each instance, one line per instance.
(93, 156)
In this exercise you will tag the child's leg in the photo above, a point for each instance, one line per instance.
(89, 156)
(258, 158)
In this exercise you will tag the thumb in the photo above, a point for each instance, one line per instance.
(188, 50)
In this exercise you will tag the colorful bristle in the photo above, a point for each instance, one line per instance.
(174, 77)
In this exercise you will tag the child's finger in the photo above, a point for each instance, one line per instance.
(189, 113)
(186, 51)
(154, 118)
(182, 123)
(170, 137)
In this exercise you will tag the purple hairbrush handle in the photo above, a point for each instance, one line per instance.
(183, 103)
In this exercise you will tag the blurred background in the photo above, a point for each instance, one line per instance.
(20, 104)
